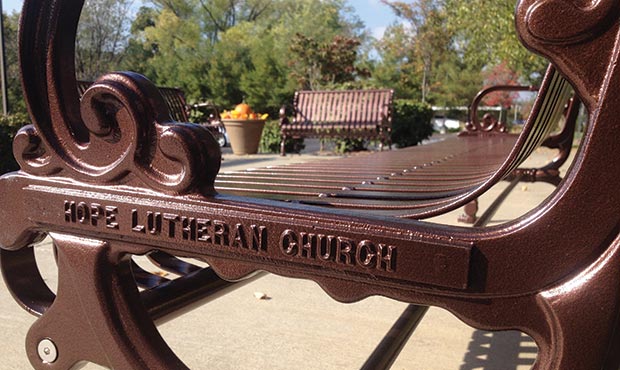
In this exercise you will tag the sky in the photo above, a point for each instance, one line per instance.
(375, 15)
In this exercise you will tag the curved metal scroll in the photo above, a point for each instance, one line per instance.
(490, 125)
(587, 19)
(121, 131)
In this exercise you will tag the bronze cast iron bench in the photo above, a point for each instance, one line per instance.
(353, 114)
(112, 176)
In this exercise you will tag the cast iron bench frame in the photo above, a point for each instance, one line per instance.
(532, 274)
(352, 114)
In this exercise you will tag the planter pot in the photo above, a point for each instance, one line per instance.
(244, 135)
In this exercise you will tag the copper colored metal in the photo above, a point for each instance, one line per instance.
(356, 114)
(99, 173)
(489, 123)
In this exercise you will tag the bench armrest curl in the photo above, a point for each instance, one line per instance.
(489, 124)
(214, 116)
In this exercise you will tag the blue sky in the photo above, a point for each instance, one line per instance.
(375, 15)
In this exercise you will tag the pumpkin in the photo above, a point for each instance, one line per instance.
(243, 109)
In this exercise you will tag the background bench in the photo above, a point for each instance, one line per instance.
(353, 114)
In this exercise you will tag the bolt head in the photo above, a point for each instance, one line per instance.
(47, 351)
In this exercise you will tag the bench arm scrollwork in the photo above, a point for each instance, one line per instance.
(120, 133)
(488, 123)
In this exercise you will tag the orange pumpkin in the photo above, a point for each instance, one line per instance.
(243, 109)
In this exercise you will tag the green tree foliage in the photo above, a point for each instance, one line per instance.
(419, 58)
(442, 50)
(233, 51)
(179, 52)
(266, 85)
(102, 37)
(13, 83)
(139, 51)
(485, 34)
(9, 125)
(430, 39)
(411, 122)
(317, 65)
(396, 68)
(457, 83)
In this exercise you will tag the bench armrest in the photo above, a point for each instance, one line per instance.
(489, 124)
(386, 115)
(283, 117)
(214, 117)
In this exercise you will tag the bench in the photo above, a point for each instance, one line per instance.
(114, 177)
(352, 114)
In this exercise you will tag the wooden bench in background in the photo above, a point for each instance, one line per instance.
(120, 179)
(352, 114)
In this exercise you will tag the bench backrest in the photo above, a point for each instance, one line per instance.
(547, 111)
(174, 98)
(344, 106)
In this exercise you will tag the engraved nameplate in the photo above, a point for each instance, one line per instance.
(332, 247)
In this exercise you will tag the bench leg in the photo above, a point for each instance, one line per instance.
(97, 315)
(283, 146)
(583, 316)
(469, 212)
(574, 323)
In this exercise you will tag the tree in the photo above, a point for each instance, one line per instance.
(456, 84)
(430, 38)
(179, 53)
(485, 34)
(317, 65)
(501, 74)
(232, 50)
(396, 67)
(101, 37)
(139, 51)
(13, 83)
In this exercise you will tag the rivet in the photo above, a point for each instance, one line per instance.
(47, 351)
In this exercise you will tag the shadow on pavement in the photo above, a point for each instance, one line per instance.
(506, 350)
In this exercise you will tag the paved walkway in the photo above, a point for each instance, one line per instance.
(299, 327)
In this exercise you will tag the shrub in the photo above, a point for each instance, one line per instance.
(411, 122)
(270, 140)
(9, 125)
(347, 145)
